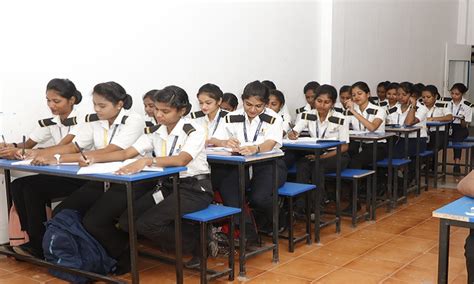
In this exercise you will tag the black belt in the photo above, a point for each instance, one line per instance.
(202, 176)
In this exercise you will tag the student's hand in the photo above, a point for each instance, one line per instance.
(430, 119)
(350, 105)
(9, 153)
(292, 135)
(310, 157)
(247, 150)
(132, 168)
(413, 101)
(43, 160)
(5, 146)
(84, 163)
(232, 143)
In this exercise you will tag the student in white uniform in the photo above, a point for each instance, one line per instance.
(325, 123)
(250, 130)
(175, 141)
(149, 106)
(344, 96)
(309, 90)
(276, 102)
(211, 116)
(31, 194)
(381, 98)
(229, 102)
(393, 105)
(437, 111)
(462, 114)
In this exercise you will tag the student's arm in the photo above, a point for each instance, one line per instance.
(221, 137)
(411, 118)
(67, 139)
(466, 185)
(369, 125)
(445, 118)
(266, 146)
(300, 125)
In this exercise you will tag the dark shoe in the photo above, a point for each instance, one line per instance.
(28, 250)
(194, 262)
(124, 264)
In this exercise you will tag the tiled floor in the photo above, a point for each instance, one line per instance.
(401, 247)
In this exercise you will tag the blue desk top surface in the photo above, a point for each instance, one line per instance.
(313, 145)
(243, 159)
(72, 170)
(437, 123)
(461, 210)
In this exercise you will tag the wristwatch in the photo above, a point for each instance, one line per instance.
(57, 157)
(153, 162)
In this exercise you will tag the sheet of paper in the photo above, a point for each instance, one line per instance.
(100, 168)
(145, 169)
(28, 162)
(300, 140)
(356, 132)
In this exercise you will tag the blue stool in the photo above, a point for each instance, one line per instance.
(468, 159)
(211, 214)
(397, 164)
(355, 175)
(290, 190)
(425, 159)
(469, 139)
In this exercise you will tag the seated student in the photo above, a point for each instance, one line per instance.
(323, 122)
(175, 141)
(416, 91)
(276, 102)
(393, 118)
(270, 85)
(31, 194)
(466, 187)
(437, 111)
(112, 128)
(381, 98)
(248, 131)
(211, 116)
(229, 102)
(149, 108)
(309, 90)
(344, 96)
(283, 108)
(462, 114)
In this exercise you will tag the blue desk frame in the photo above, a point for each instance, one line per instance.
(128, 181)
(437, 125)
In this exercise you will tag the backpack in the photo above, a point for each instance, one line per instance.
(68, 244)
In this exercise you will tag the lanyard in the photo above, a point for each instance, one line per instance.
(113, 133)
(452, 109)
(317, 129)
(360, 125)
(217, 122)
(432, 113)
(163, 147)
(256, 132)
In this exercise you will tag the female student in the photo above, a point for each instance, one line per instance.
(461, 110)
(393, 105)
(229, 102)
(61, 96)
(381, 98)
(309, 90)
(344, 96)
(211, 116)
(437, 111)
(248, 131)
(149, 105)
(276, 102)
(175, 142)
(325, 123)
(112, 128)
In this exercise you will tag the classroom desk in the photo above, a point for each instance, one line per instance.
(241, 162)
(406, 130)
(437, 125)
(452, 214)
(128, 181)
(317, 147)
(375, 137)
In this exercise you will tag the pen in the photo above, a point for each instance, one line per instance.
(4, 142)
(80, 151)
(23, 148)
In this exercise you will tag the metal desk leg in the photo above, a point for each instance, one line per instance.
(318, 194)
(443, 251)
(417, 165)
(390, 177)
(242, 244)
(338, 189)
(276, 258)
(132, 234)
(8, 190)
(445, 151)
(374, 184)
(435, 173)
(406, 145)
(178, 231)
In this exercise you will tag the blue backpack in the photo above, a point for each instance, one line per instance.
(68, 244)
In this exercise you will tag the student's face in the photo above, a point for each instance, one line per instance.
(274, 104)
(323, 103)
(344, 97)
(456, 94)
(309, 96)
(105, 109)
(392, 96)
(208, 104)
(149, 106)
(381, 93)
(57, 104)
(359, 97)
(226, 106)
(403, 97)
(428, 98)
(167, 115)
(253, 106)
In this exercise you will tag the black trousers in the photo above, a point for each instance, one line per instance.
(431, 143)
(399, 149)
(469, 253)
(226, 179)
(156, 221)
(31, 194)
(361, 160)
(305, 168)
(458, 135)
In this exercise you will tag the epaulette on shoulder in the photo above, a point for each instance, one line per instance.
(309, 116)
(151, 129)
(149, 124)
(46, 122)
(374, 100)
(441, 104)
(469, 104)
(300, 110)
(70, 121)
(420, 100)
(339, 109)
(392, 110)
(347, 112)
(337, 120)
(223, 113)
(382, 104)
(267, 118)
(188, 128)
(124, 119)
(197, 114)
(371, 111)
(234, 118)
(92, 117)
(447, 99)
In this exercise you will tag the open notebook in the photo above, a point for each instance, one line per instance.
(105, 168)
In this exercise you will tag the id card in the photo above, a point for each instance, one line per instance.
(158, 196)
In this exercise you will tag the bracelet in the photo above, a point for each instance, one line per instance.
(153, 162)
(15, 145)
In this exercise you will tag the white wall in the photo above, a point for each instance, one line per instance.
(395, 40)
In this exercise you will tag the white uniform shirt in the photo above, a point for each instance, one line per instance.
(57, 131)
(420, 114)
(164, 144)
(302, 110)
(150, 119)
(210, 127)
(461, 110)
(98, 134)
(334, 127)
(370, 113)
(286, 119)
(439, 109)
(257, 131)
(393, 116)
